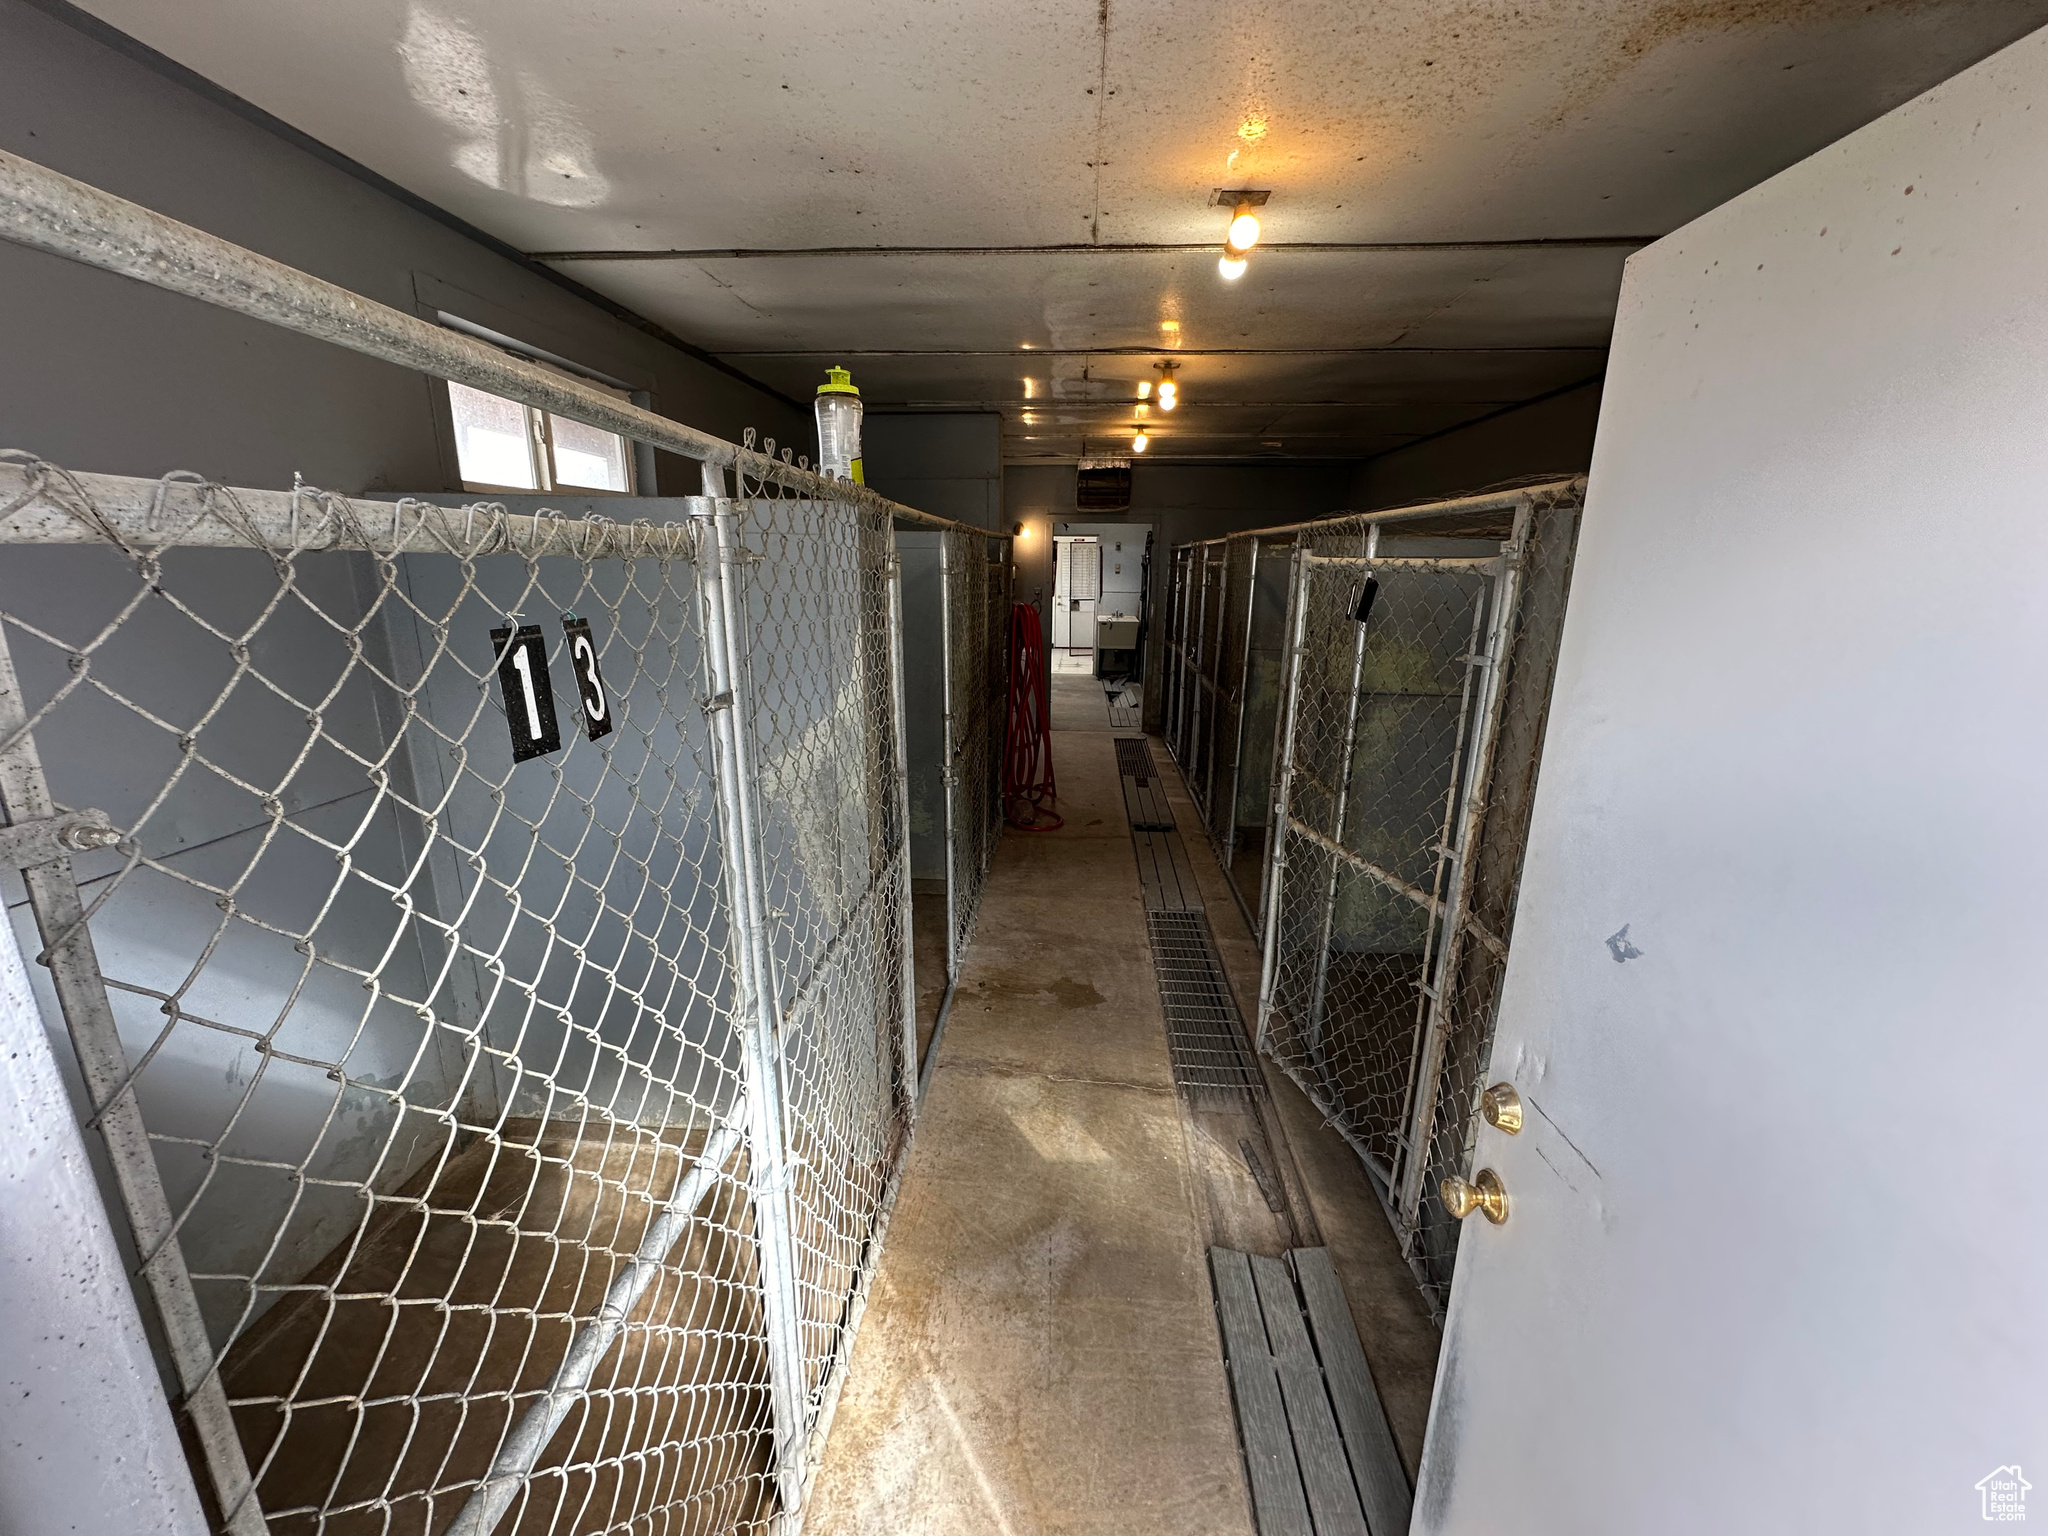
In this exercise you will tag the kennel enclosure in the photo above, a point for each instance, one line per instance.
(1371, 740)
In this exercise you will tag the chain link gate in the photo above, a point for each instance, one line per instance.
(485, 939)
(1382, 756)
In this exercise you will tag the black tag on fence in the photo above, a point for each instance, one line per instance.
(1366, 594)
(597, 704)
(529, 697)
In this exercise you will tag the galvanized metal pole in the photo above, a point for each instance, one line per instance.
(103, 1062)
(907, 1073)
(1478, 777)
(756, 1007)
(1283, 780)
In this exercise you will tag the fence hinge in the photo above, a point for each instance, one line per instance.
(29, 843)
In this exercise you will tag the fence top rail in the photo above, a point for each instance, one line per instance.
(1460, 506)
(1452, 563)
(41, 504)
(47, 211)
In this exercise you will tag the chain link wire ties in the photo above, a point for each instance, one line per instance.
(501, 1143)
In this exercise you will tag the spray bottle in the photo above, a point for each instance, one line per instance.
(839, 427)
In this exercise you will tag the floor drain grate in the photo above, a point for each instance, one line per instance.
(1144, 796)
(1204, 1033)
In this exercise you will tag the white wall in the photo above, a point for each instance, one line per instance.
(1789, 1274)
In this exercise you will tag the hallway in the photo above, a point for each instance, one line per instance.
(1040, 1353)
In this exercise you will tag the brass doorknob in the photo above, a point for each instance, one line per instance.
(1483, 1192)
(1502, 1108)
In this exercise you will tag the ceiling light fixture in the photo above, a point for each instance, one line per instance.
(1169, 392)
(1140, 442)
(1144, 389)
(1242, 233)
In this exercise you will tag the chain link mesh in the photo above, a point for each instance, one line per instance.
(1173, 712)
(1205, 655)
(977, 617)
(1395, 760)
(814, 585)
(441, 1053)
(1239, 557)
(1475, 969)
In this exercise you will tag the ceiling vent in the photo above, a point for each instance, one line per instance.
(1103, 485)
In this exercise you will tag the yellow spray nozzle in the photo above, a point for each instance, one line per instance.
(838, 382)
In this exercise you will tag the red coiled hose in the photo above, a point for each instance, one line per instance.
(1028, 786)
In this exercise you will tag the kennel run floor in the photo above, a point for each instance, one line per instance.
(1041, 1353)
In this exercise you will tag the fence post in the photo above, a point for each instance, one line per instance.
(1283, 779)
(81, 991)
(1478, 774)
(756, 1008)
(907, 1077)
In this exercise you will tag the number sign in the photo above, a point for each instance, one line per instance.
(597, 704)
(529, 697)
(1363, 610)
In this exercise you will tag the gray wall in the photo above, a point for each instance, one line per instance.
(1180, 502)
(1552, 436)
(105, 374)
(948, 463)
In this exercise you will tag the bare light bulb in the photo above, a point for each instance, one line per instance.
(1140, 442)
(1144, 389)
(1244, 230)
(1169, 395)
(1232, 268)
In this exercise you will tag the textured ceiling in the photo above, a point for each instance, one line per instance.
(1007, 157)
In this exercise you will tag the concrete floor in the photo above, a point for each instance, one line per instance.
(1040, 1354)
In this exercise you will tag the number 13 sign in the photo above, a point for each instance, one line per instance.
(530, 696)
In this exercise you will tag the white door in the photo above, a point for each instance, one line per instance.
(1776, 1254)
(1081, 625)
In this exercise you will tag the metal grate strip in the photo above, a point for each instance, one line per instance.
(1204, 1032)
(1144, 796)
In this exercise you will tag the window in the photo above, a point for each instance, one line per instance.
(502, 445)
